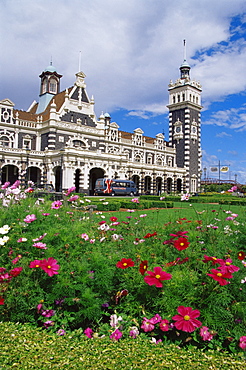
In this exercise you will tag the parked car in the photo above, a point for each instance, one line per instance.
(115, 187)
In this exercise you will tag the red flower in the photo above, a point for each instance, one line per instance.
(125, 263)
(227, 266)
(16, 271)
(148, 235)
(241, 255)
(113, 219)
(180, 233)
(186, 320)
(156, 277)
(143, 267)
(181, 243)
(220, 276)
(50, 266)
(1, 300)
(213, 259)
(164, 325)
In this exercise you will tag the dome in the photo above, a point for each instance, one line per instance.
(185, 64)
(107, 115)
(50, 68)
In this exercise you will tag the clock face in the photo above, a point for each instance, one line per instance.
(178, 129)
(194, 129)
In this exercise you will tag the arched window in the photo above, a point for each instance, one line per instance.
(4, 140)
(137, 158)
(44, 86)
(79, 144)
(53, 86)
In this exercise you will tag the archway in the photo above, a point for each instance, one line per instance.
(179, 185)
(34, 174)
(95, 173)
(147, 185)
(136, 180)
(58, 178)
(169, 185)
(10, 173)
(158, 185)
(77, 180)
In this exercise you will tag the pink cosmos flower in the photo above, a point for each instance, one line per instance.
(73, 198)
(220, 276)
(227, 266)
(40, 245)
(16, 259)
(186, 320)
(116, 335)
(242, 342)
(135, 200)
(155, 319)
(61, 332)
(50, 266)
(39, 238)
(85, 236)
(21, 240)
(35, 264)
(205, 333)
(30, 218)
(6, 185)
(156, 277)
(70, 190)
(47, 214)
(88, 332)
(164, 325)
(56, 204)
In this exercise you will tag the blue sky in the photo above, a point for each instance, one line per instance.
(129, 52)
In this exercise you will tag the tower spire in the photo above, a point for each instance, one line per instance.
(184, 68)
(184, 50)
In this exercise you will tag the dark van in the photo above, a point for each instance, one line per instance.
(115, 187)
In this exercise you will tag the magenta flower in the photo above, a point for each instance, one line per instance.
(154, 320)
(47, 214)
(116, 335)
(40, 245)
(35, 264)
(21, 240)
(242, 342)
(70, 190)
(30, 218)
(50, 266)
(147, 325)
(48, 313)
(205, 333)
(227, 266)
(156, 277)
(186, 320)
(88, 332)
(134, 332)
(135, 200)
(73, 198)
(164, 325)
(56, 204)
(85, 236)
(6, 185)
(220, 276)
(48, 323)
(61, 332)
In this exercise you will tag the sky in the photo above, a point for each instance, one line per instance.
(129, 51)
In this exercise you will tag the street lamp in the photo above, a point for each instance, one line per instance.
(205, 173)
(235, 178)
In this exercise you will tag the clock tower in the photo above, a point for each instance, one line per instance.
(185, 126)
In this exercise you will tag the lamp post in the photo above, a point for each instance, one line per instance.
(205, 173)
(61, 172)
(235, 178)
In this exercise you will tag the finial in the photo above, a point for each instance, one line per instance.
(51, 60)
(184, 50)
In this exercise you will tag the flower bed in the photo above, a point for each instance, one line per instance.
(179, 281)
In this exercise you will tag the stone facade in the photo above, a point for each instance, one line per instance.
(59, 140)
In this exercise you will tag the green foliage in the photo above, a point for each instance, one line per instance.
(25, 348)
(88, 287)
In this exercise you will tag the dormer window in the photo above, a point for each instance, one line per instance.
(53, 86)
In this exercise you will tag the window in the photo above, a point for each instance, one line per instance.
(53, 85)
(137, 158)
(4, 140)
(149, 160)
(44, 86)
(79, 143)
(27, 144)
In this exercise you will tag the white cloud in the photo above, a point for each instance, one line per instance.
(223, 134)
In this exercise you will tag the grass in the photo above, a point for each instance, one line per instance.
(24, 348)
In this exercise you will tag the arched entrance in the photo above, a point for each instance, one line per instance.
(147, 185)
(95, 173)
(10, 173)
(77, 180)
(169, 185)
(158, 185)
(179, 185)
(136, 180)
(58, 178)
(34, 174)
